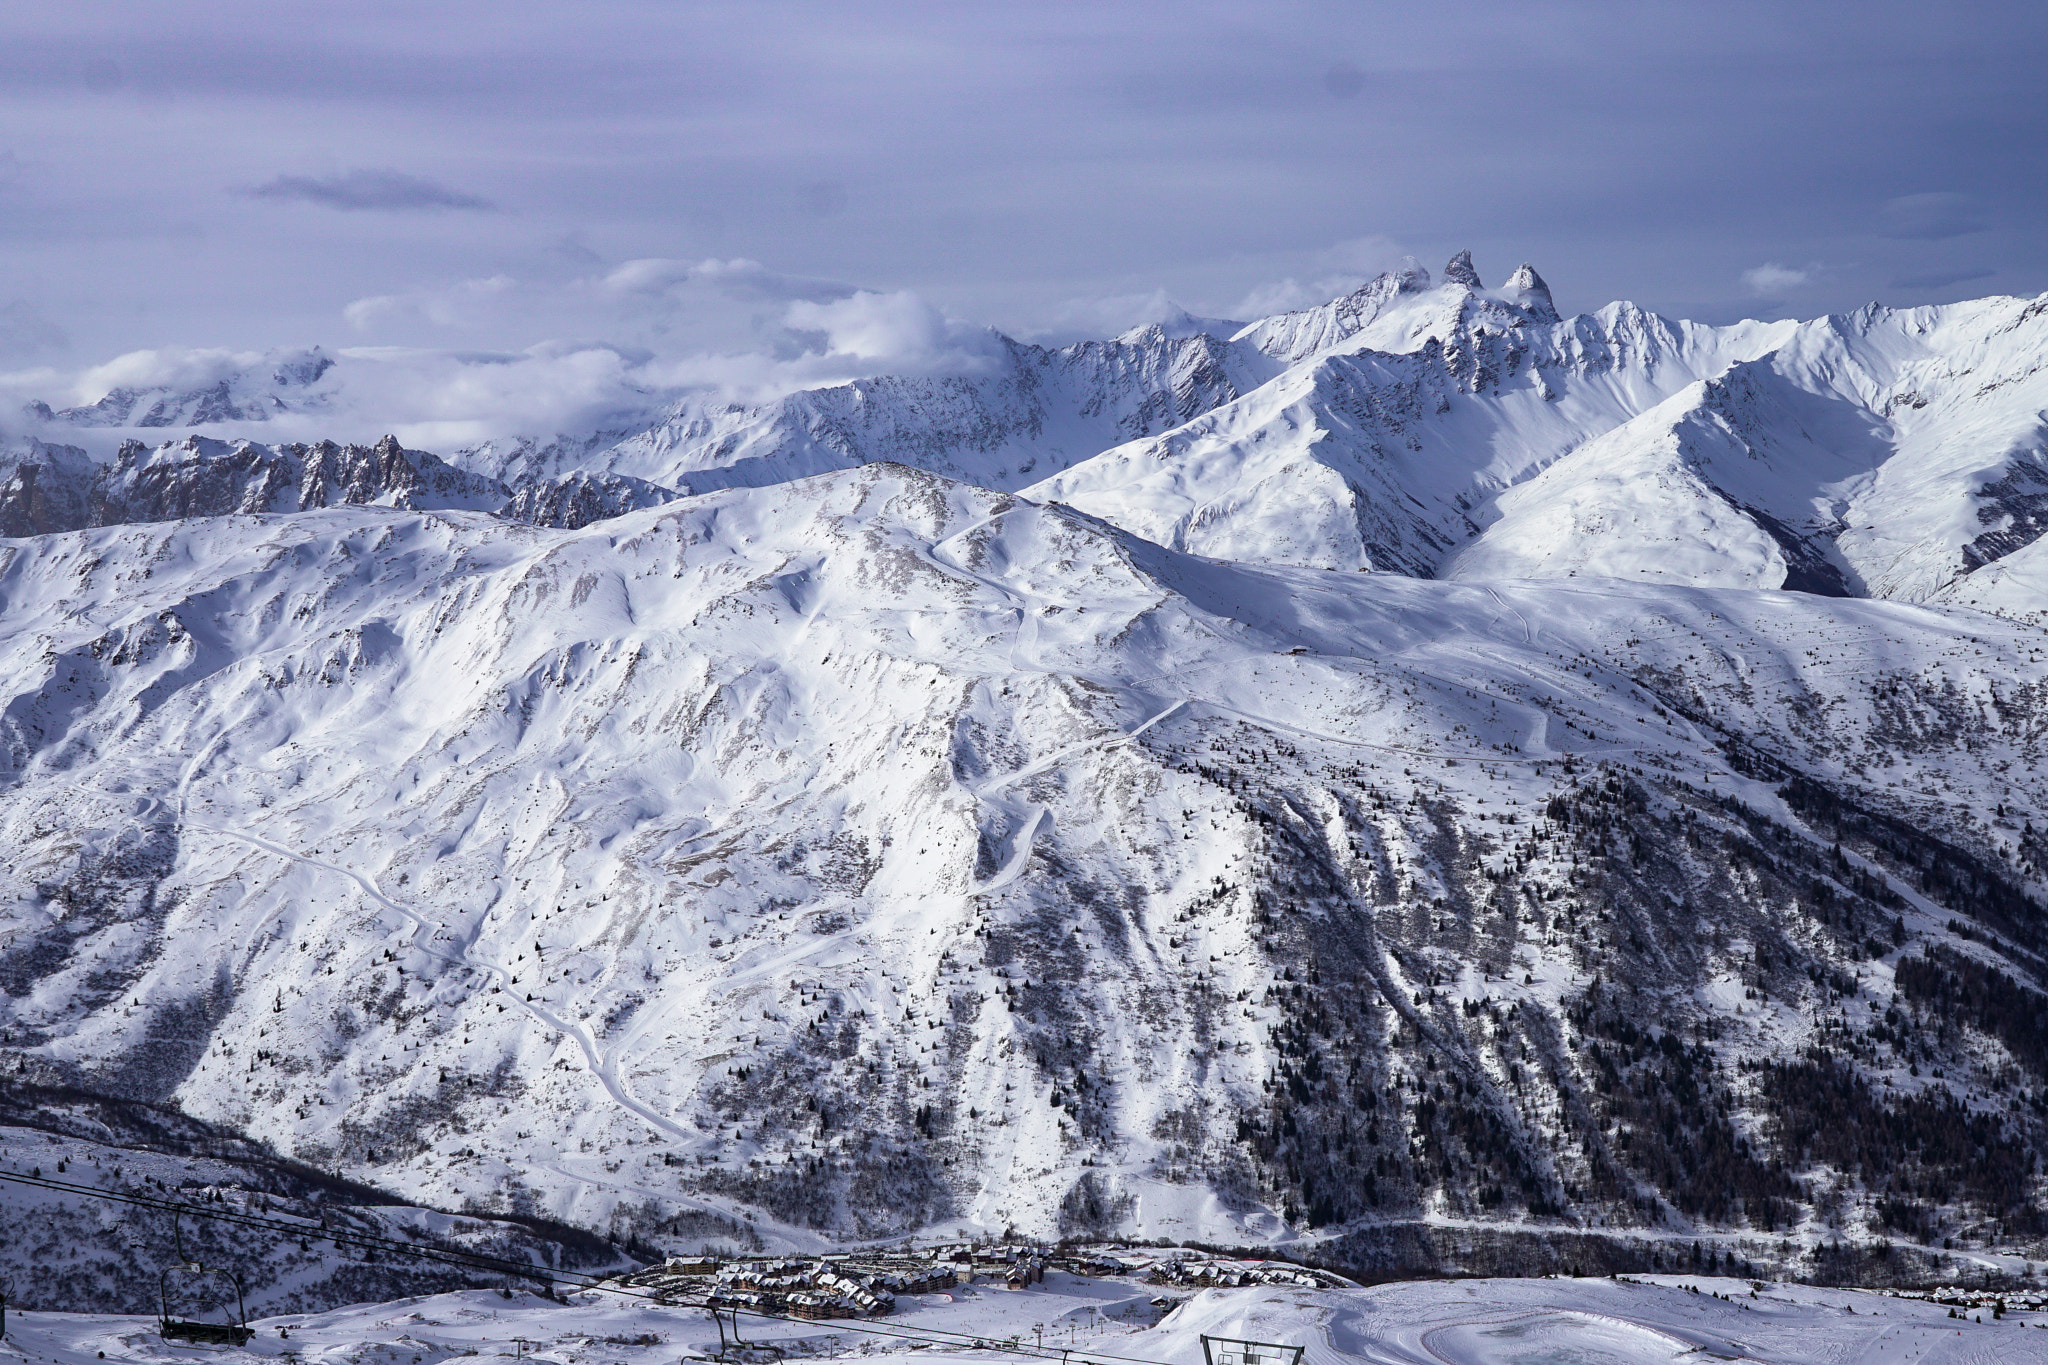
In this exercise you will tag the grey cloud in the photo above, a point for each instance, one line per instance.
(389, 190)
(1941, 278)
(1930, 217)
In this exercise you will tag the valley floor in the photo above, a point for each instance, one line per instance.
(1655, 1320)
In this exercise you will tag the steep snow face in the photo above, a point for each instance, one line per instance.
(877, 852)
(1386, 459)
(2015, 586)
(1886, 453)
(1736, 481)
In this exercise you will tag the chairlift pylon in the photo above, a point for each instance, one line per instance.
(236, 1333)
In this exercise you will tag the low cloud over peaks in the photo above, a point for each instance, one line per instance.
(1771, 280)
(391, 191)
(176, 367)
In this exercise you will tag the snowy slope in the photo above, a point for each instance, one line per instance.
(877, 852)
(1384, 448)
(1725, 482)
(1655, 1320)
(64, 1249)
(1885, 454)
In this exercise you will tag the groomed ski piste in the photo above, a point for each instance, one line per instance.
(1649, 1320)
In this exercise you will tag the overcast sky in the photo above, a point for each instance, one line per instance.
(672, 178)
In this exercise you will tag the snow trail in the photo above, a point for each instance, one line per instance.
(603, 1068)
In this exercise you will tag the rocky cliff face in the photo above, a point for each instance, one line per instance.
(58, 488)
(44, 488)
(198, 477)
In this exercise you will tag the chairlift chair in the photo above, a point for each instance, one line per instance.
(236, 1333)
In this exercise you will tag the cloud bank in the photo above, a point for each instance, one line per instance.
(653, 330)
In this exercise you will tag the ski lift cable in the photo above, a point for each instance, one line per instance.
(583, 1279)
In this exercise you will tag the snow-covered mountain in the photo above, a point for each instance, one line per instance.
(811, 823)
(875, 852)
(1432, 429)
(1036, 411)
(1887, 453)
(237, 389)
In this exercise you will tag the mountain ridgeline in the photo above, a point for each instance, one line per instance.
(46, 489)
(1422, 781)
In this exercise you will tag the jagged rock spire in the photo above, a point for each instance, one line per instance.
(1460, 271)
(1527, 288)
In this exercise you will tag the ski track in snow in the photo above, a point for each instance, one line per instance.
(601, 1067)
(1037, 814)
(1528, 632)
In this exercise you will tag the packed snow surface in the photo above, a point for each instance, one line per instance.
(1663, 1320)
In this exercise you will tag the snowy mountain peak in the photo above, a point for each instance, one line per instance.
(200, 390)
(301, 368)
(1177, 324)
(1527, 288)
(1461, 271)
(1397, 294)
